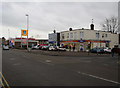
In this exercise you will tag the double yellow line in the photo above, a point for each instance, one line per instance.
(3, 81)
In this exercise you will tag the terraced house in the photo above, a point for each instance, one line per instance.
(88, 38)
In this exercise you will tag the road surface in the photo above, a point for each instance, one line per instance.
(21, 68)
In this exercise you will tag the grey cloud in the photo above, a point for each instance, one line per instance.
(45, 16)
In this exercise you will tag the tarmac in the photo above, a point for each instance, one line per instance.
(69, 53)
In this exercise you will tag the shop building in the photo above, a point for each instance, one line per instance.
(42, 41)
(16, 42)
(88, 38)
(54, 38)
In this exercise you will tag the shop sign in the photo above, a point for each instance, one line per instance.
(81, 40)
(24, 32)
(106, 41)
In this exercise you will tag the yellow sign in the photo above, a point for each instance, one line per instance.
(11, 41)
(24, 32)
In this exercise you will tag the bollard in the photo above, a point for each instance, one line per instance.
(29, 49)
(87, 51)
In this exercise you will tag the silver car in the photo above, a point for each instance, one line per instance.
(5, 47)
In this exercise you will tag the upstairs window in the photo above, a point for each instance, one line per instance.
(97, 35)
(67, 35)
(102, 35)
(71, 35)
(81, 34)
(75, 35)
(105, 35)
(63, 36)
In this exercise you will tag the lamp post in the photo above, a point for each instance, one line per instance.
(9, 36)
(98, 35)
(27, 28)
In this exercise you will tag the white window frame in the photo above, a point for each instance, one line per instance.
(67, 35)
(97, 35)
(81, 34)
(63, 36)
(75, 35)
(71, 35)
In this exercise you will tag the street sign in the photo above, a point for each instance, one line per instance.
(24, 32)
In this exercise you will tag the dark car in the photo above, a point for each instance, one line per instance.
(97, 50)
(115, 50)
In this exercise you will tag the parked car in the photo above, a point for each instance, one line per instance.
(107, 50)
(40, 47)
(45, 48)
(5, 47)
(51, 48)
(36, 47)
(97, 50)
(61, 48)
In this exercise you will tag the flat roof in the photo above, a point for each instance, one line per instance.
(89, 30)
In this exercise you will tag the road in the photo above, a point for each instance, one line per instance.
(22, 68)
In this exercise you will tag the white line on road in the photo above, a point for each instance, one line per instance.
(12, 58)
(46, 63)
(17, 64)
(98, 77)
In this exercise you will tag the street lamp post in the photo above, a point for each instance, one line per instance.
(27, 28)
(9, 36)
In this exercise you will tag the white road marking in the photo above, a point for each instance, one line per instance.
(46, 63)
(17, 64)
(98, 77)
(105, 64)
(85, 61)
(12, 58)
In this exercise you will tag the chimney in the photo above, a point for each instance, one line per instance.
(54, 31)
(70, 29)
(92, 26)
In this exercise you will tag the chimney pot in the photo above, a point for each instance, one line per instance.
(92, 26)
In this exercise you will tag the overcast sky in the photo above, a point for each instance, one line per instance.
(44, 17)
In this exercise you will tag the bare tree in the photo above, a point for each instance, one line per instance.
(111, 24)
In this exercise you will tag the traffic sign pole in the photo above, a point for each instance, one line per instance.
(27, 28)
(21, 38)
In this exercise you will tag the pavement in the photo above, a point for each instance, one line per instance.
(69, 53)
(36, 68)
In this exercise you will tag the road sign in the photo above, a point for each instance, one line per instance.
(11, 41)
(24, 32)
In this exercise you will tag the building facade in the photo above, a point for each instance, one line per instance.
(42, 41)
(54, 39)
(16, 42)
(87, 39)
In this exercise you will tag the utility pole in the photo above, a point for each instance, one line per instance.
(9, 36)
